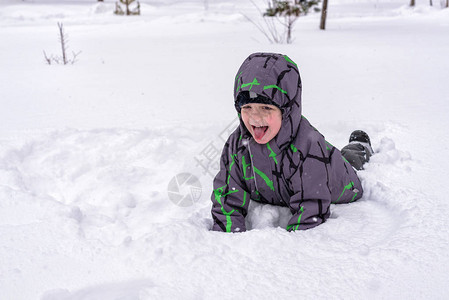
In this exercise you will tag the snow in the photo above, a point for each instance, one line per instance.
(87, 152)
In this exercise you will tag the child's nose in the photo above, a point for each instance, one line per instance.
(256, 115)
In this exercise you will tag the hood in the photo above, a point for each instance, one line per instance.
(276, 77)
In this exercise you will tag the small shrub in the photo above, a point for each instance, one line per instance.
(63, 59)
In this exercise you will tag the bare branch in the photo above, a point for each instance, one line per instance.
(47, 59)
(63, 41)
(261, 29)
(269, 30)
(74, 57)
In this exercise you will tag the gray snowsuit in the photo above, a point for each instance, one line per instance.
(298, 168)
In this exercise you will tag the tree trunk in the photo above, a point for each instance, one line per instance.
(431, 3)
(324, 15)
(447, 3)
(412, 2)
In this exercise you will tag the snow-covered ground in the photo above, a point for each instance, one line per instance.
(87, 152)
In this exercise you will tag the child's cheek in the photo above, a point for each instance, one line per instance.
(270, 119)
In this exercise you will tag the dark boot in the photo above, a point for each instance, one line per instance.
(358, 151)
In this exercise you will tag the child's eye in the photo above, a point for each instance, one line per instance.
(267, 108)
(246, 107)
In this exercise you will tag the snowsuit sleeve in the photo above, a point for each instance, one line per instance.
(230, 198)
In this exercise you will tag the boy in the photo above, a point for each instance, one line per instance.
(275, 156)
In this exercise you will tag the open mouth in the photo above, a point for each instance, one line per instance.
(259, 131)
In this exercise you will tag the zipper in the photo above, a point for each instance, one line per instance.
(252, 164)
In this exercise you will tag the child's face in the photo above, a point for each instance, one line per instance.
(263, 121)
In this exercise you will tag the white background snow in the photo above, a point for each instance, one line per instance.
(87, 152)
